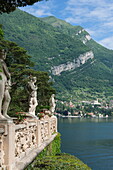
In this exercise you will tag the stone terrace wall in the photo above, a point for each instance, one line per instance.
(20, 144)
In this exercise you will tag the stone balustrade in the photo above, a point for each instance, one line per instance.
(20, 144)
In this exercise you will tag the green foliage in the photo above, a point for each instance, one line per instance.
(97, 110)
(46, 45)
(21, 116)
(53, 148)
(40, 108)
(40, 115)
(62, 26)
(7, 6)
(52, 42)
(62, 161)
(51, 158)
(21, 67)
(64, 108)
(1, 32)
(94, 76)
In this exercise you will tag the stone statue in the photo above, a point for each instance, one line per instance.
(5, 85)
(32, 95)
(52, 103)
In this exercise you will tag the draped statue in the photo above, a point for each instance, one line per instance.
(32, 95)
(5, 85)
(52, 103)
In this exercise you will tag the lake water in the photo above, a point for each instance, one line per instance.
(91, 140)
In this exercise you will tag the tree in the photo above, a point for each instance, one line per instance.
(1, 32)
(10, 5)
(21, 67)
(20, 76)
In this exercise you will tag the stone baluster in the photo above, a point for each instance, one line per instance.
(38, 134)
(49, 128)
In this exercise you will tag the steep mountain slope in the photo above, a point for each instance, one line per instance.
(76, 32)
(80, 68)
(47, 45)
(95, 77)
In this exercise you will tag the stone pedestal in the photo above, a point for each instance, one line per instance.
(8, 143)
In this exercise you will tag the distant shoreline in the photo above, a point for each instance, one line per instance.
(82, 117)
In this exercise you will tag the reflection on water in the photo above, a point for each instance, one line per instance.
(91, 140)
(74, 120)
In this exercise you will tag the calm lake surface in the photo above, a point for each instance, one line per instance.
(91, 140)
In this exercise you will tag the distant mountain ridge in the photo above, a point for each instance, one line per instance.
(81, 68)
(76, 32)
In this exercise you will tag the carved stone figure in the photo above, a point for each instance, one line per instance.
(32, 95)
(52, 103)
(5, 84)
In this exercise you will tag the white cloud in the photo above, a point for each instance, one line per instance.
(108, 24)
(87, 2)
(73, 20)
(91, 32)
(42, 12)
(96, 16)
(40, 9)
(89, 9)
(107, 42)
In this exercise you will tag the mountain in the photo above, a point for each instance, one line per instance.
(96, 75)
(77, 32)
(80, 68)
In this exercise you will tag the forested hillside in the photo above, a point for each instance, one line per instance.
(19, 64)
(81, 68)
(97, 75)
(40, 39)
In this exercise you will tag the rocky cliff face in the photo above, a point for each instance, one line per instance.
(84, 38)
(80, 31)
(82, 59)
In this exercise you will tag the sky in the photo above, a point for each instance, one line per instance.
(95, 16)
